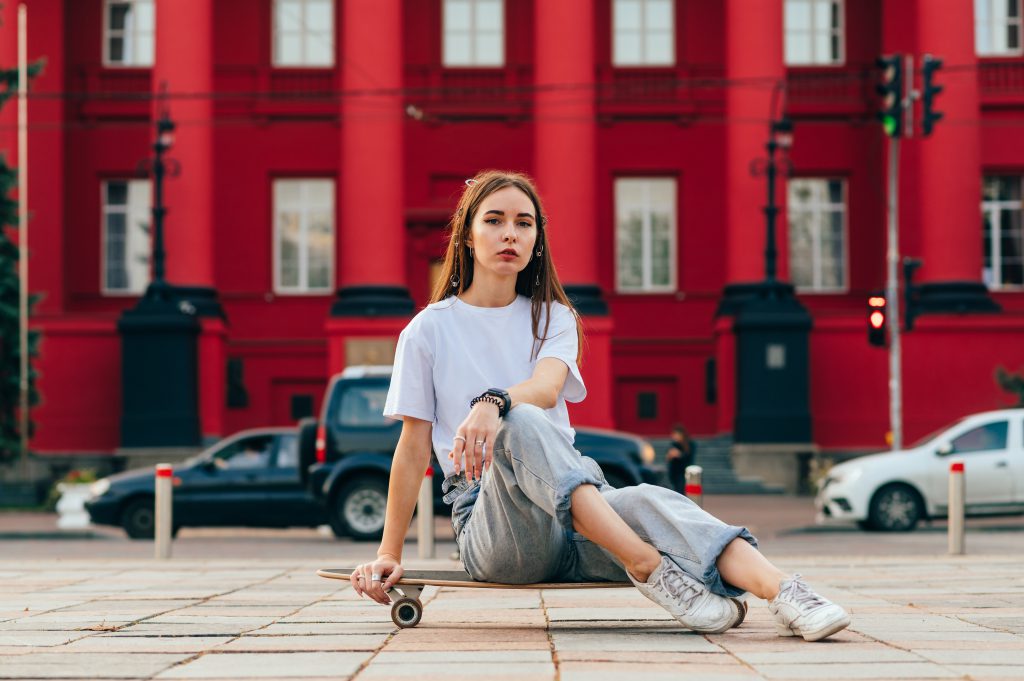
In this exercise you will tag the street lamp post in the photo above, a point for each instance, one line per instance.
(158, 288)
(780, 137)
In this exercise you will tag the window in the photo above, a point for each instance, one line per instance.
(247, 453)
(986, 438)
(474, 33)
(645, 234)
(643, 33)
(813, 32)
(997, 26)
(1002, 232)
(817, 234)
(303, 33)
(126, 235)
(129, 28)
(303, 236)
(363, 406)
(287, 451)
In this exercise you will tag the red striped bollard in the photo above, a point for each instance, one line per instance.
(957, 489)
(694, 486)
(163, 519)
(425, 516)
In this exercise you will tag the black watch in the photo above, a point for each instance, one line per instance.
(506, 399)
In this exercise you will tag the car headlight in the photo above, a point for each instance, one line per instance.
(99, 488)
(647, 453)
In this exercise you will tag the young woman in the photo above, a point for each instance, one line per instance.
(483, 375)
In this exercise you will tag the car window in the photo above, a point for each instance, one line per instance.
(248, 452)
(287, 451)
(362, 405)
(986, 438)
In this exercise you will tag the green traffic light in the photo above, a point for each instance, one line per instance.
(889, 124)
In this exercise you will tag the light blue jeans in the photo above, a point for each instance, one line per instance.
(516, 527)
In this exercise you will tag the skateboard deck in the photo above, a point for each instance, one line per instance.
(407, 609)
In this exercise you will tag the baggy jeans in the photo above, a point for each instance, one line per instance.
(515, 526)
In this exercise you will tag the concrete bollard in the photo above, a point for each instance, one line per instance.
(957, 492)
(163, 519)
(694, 486)
(425, 516)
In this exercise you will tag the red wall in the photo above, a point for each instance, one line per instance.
(476, 119)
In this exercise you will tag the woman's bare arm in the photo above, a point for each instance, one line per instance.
(543, 387)
(412, 456)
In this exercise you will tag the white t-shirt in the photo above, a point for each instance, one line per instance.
(452, 351)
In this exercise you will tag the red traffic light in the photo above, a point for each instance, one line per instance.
(877, 319)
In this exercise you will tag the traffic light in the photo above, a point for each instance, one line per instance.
(929, 92)
(877, 319)
(891, 89)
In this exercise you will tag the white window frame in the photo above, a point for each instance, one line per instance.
(474, 60)
(647, 207)
(145, 214)
(644, 31)
(995, 209)
(819, 207)
(306, 34)
(110, 33)
(838, 32)
(986, 22)
(303, 207)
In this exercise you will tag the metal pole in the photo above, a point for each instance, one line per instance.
(770, 212)
(23, 235)
(425, 516)
(163, 513)
(957, 489)
(694, 485)
(893, 301)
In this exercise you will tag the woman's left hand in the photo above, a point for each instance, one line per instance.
(473, 438)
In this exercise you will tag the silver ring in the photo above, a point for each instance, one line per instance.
(479, 442)
(374, 578)
(459, 437)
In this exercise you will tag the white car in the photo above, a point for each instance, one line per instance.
(894, 490)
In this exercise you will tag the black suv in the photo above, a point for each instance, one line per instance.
(347, 453)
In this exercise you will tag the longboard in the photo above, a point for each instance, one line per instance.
(407, 609)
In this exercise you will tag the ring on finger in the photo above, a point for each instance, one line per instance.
(459, 437)
(480, 442)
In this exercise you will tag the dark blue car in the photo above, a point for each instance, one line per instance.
(250, 479)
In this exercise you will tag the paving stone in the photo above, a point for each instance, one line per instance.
(460, 670)
(306, 643)
(976, 657)
(612, 641)
(828, 653)
(608, 671)
(984, 672)
(300, 628)
(604, 614)
(268, 665)
(493, 656)
(146, 644)
(862, 670)
(84, 665)
(39, 639)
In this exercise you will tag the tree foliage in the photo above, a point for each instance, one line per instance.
(10, 313)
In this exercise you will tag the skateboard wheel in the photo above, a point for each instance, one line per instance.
(406, 612)
(742, 605)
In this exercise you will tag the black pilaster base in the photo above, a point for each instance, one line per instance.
(159, 374)
(200, 301)
(772, 331)
(587, 299)
(373, 301)
(957, 297)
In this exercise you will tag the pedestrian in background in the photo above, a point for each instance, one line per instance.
(681, 453)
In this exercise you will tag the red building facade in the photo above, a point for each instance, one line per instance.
(322, 143)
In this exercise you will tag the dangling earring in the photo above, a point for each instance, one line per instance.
(455, 267)
(471, 255)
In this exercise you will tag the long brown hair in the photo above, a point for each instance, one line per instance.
(457, 269)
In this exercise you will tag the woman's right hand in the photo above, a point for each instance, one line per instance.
(388, 571)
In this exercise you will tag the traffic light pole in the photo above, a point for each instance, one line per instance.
(893, 299)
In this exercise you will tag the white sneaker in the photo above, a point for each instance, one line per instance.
(799, 611)
(689, 601)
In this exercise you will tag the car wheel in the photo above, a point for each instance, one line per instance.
(895, 508)
(358, 509)
(138, 519)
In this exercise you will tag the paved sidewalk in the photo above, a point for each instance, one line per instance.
(913, 618)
